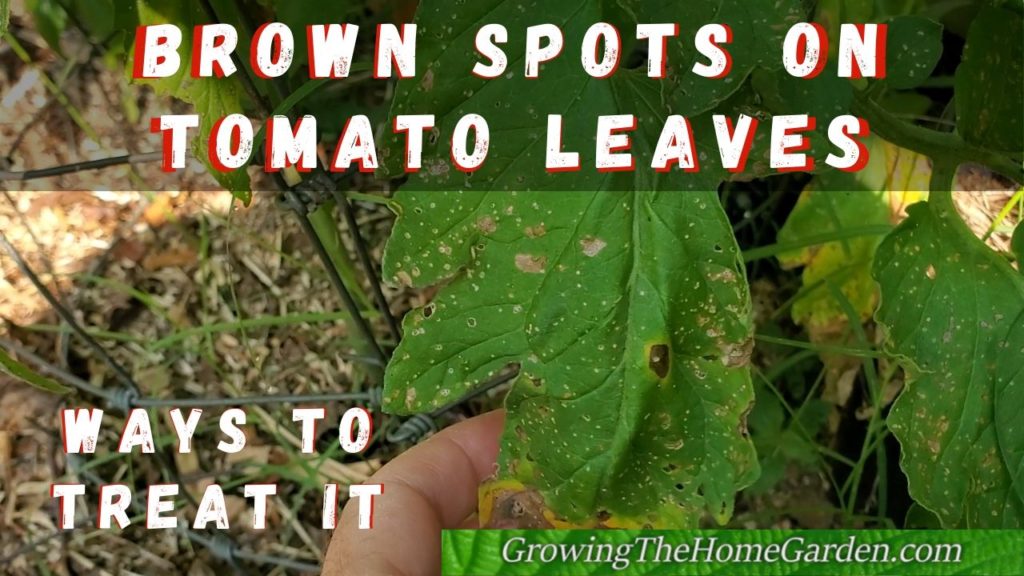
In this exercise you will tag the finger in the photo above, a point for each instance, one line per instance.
(430, 487)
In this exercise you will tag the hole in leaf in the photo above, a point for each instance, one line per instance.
(658, 360)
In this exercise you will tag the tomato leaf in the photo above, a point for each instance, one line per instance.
(990, 81)
(29, 376)
(914, 52)
(517, 108)
(50, 20)
(627, 312)
(213, 98)
(875, 195)
(630, 318)
(953, 309)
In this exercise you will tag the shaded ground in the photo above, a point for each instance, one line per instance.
(187, 266)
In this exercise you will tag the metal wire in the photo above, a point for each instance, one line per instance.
(223, 547)
(220, 544)
(302, 212)
(128, 396)
(421, 425)
(8, 176)
(367, 262)
(65, 314)
(125, 399)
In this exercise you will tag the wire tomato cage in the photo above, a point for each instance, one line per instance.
(302, 200)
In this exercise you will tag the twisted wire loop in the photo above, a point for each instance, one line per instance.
(222, 547)
(303, 200)
(123, 399)
(375, 396)
(413, 430)
(307, 196)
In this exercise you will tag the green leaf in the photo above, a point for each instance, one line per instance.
(5, 16)
(918, 517)
(874, 196)
(914, 52)
(50, 20)
(846, 263)
(98, 18)
(299, 15)
(517, 109)
(1017, 245)
(1009, 400)
(990, 81)
(29, 376)
(779, 442)
(629, 316)
(212, 98)
(953, 308)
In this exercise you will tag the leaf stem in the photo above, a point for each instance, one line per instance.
(941, 147)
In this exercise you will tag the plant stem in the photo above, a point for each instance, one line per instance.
(327, 229)
(941, 147)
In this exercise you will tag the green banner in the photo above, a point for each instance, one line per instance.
(733, 552)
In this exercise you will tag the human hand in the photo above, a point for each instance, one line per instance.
(429, 488)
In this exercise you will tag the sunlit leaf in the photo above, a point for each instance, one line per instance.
(894, 179)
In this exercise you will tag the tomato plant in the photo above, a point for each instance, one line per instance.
(626, 306)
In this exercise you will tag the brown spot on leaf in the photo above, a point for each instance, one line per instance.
(592, 246)
(518, 510)
(658, 360)
(930, 272)
(487, 225)
(428, 81)
(531, 264)
(736, 355)
(535, 231)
